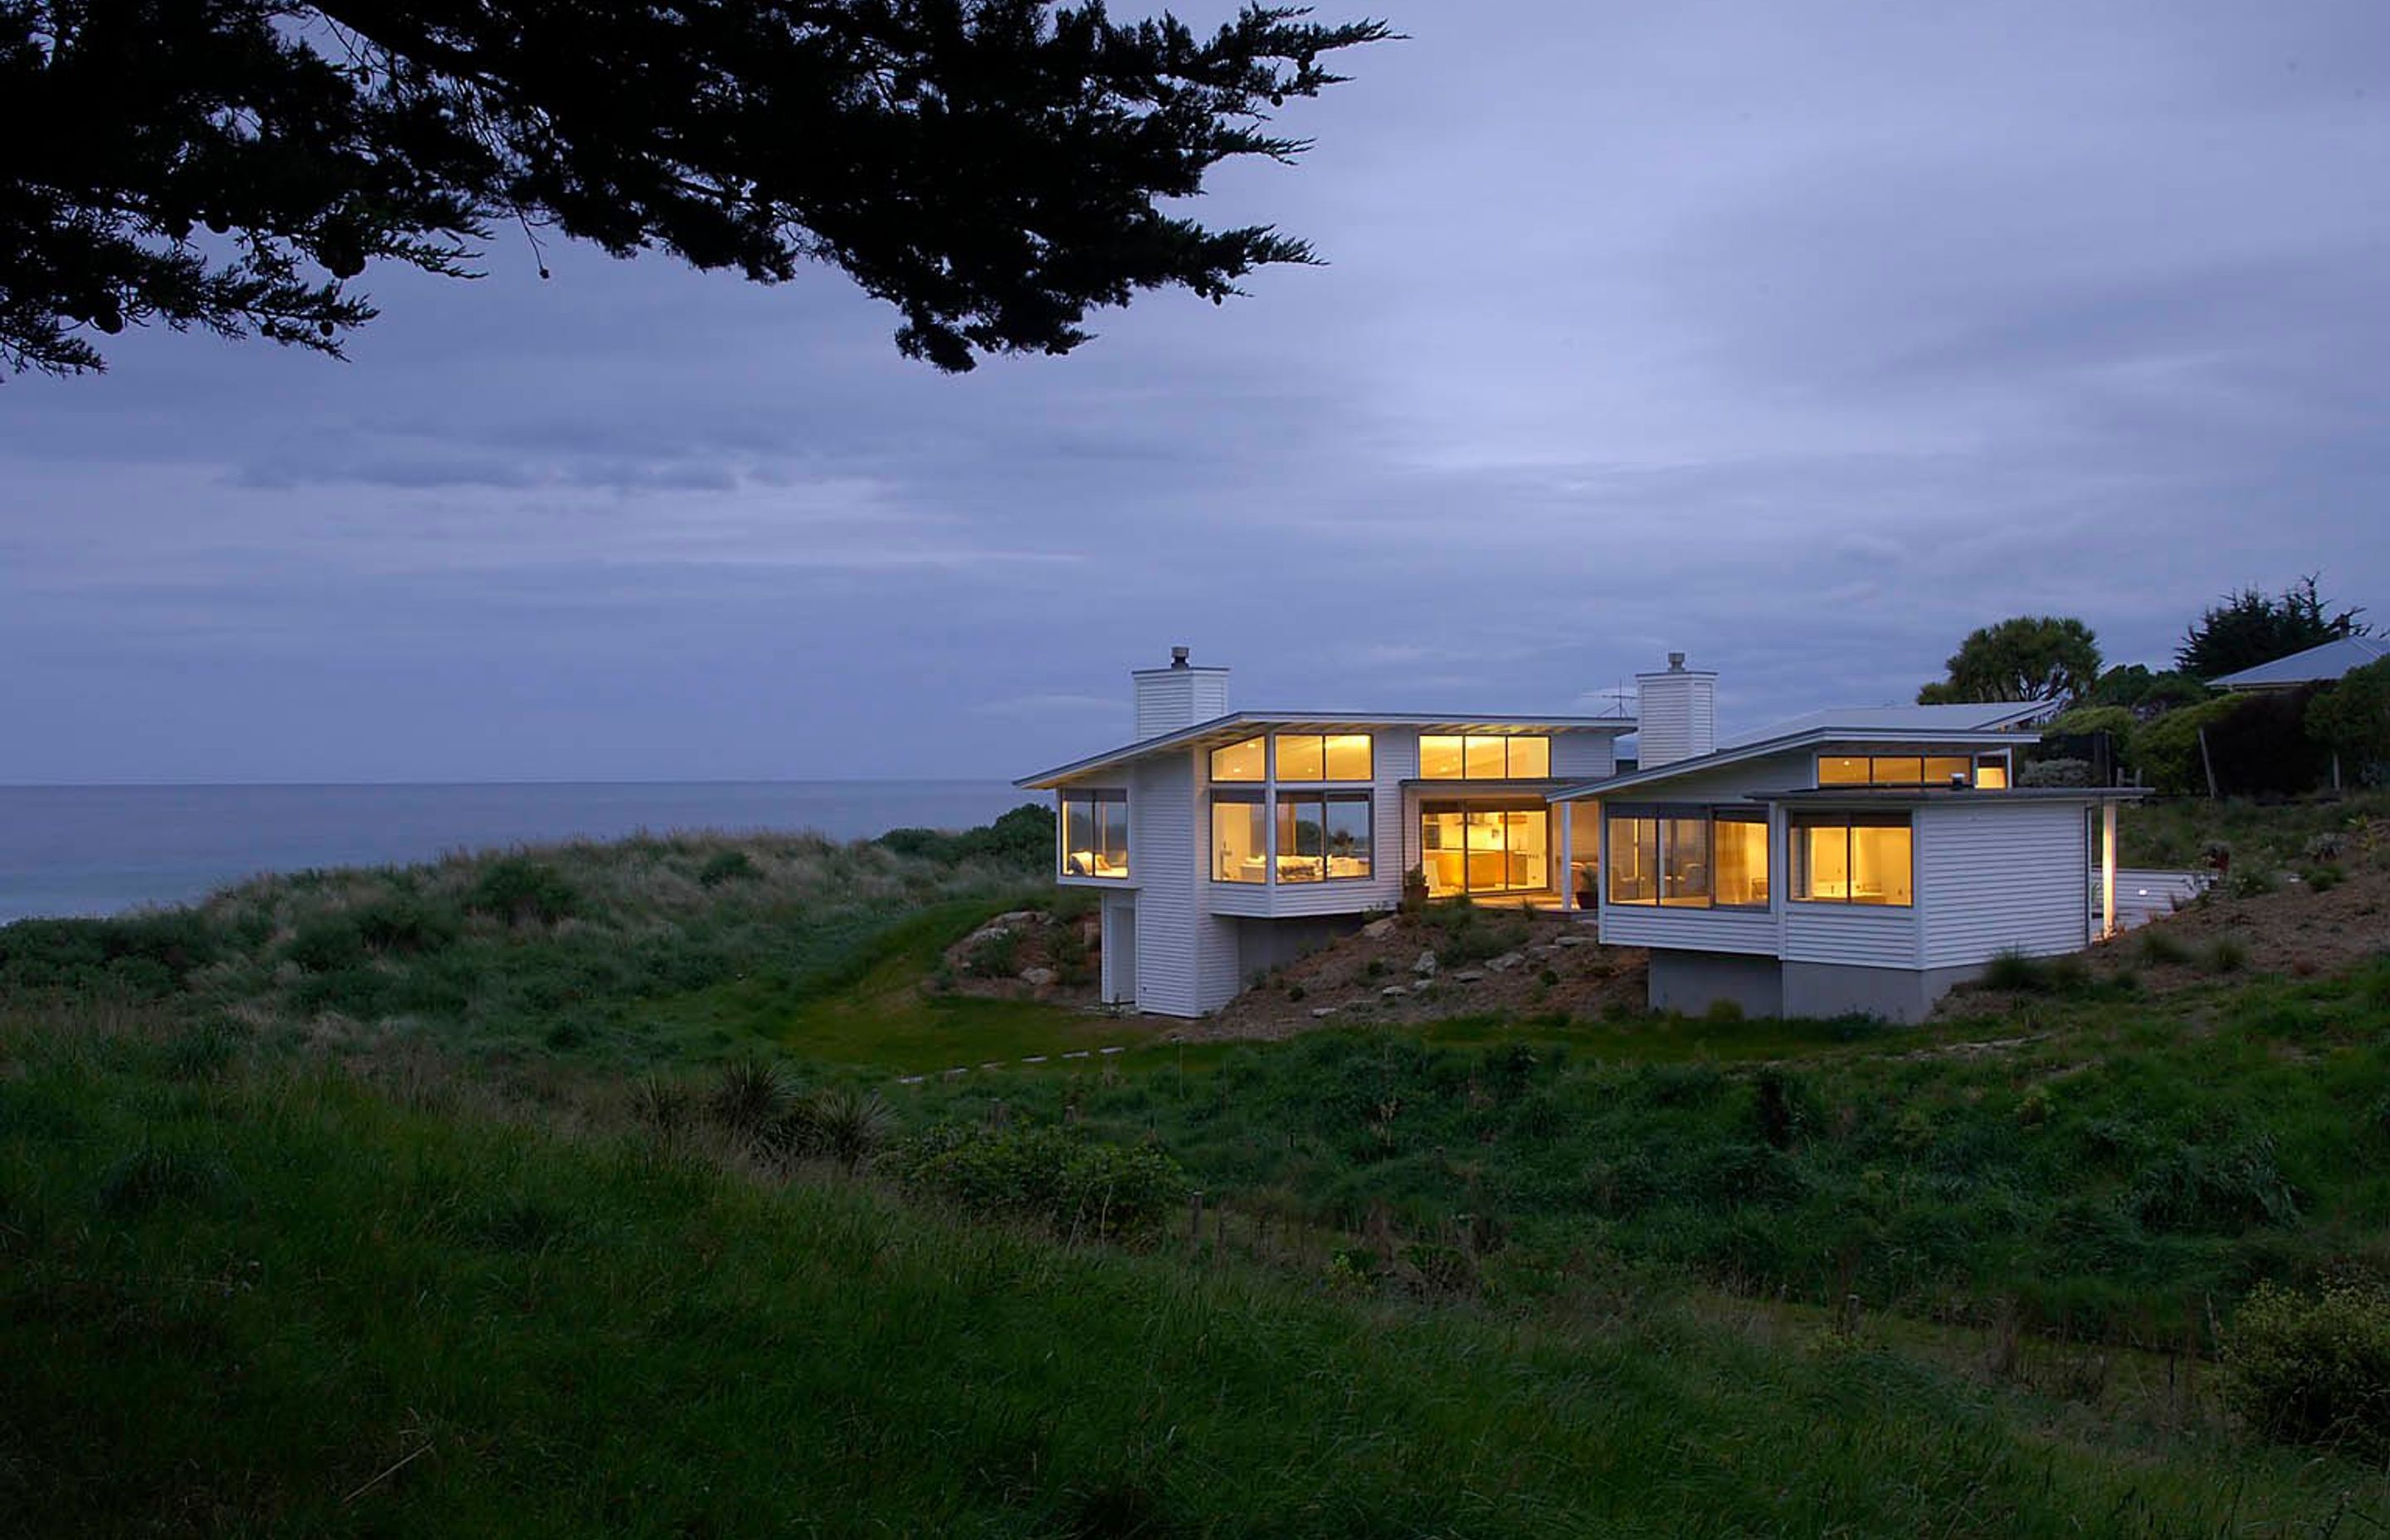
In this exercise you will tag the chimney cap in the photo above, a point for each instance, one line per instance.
(1675, 662)
(1178, 657)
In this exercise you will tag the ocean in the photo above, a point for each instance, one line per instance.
(99, 850)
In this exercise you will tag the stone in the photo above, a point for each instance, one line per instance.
(1543, 949)
(1323, 1010)
(1426, 963)
(1038, 977)
(1422, 986)
(1377, 929)
(1572, 941)
(1504, 963)
(1393, 992)
(1018, 917)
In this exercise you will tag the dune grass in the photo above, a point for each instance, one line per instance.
(238, 1295)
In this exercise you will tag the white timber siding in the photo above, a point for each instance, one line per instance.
(1169, 698)
(1746, 931)
(1394, 758)
(1162, 856)
(1861, 935)
(1577, 756)
(1118, 944)
(1675, 716)
(1996, 878)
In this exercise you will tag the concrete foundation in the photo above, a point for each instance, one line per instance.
(1692, 982)
(1263, 944)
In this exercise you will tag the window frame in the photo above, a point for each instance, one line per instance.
(1848, 819)
(1097, 798)
(1973, 760)
(1238, 794)
(1466, 739)
(1661, 816)
(1276, 762)
(1261, 776)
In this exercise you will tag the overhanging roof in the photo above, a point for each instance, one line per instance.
(2317, 665)
(1968, 716)
(1236, 725)
(1914, 795)
(1813, 737)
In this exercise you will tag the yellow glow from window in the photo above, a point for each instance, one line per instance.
(1842, 770)
(1634, 860)
(1741, 847)
(1094, 836)
(1880, 866)
(1237, 762)
(1854, 863)
(1531, 758)
(1301, 756)
(1348, 757)
(1440, 758)
(1901, 770)
(1991, 775)
(1240, 850)
(1483, 759)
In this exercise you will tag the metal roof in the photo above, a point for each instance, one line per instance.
(1914, 794)
(1972, 716)
(2315, 666)
(1811, 737)
(1227, 729)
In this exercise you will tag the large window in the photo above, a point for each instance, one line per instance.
(1095, 833)
(1689, 858)
(1853, 858)
(1237, 762)
(1898, 770)
(1991, 772)
(1323, 757)
(1484, 757)
(1474, 848)
(1322, 837)
(1239, 838)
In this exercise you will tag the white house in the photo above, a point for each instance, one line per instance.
(1854, 861)
(1226, 842)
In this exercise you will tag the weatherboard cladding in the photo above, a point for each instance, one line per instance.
(1575, 756)
(1752, 931)
(1162, 856)
(1394, 758)
(1170, 699)
(1859, 934)
(1998, 877)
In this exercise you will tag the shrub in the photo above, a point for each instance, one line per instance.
(327, 945)
(2055, 772)
(2314, 1368)
(2249, 882)
(1053, 1176)
(521, 891)
(2024, 975)
(751, 1099)
(2227, 954)
(2323, 879)
(2160, 948)
(659, 1105)
(727, 865)
(847, 1125)
(1781, 1105)
(996, 954)
(151, 1175)
(2202, 1188)
(405, 925)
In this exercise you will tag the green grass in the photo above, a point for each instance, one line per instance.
(239, 1296)
(2174, 832)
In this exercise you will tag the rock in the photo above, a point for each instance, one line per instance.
(1018, 917)
(1543, 949)
(1426, 963)
(1323, 1010)
(1393, 992)
(1380, 928)
(1468, 976)
(1422, 986)
(1504, 963)
(1038, 977)
(1572, 939)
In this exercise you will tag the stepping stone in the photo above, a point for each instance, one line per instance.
(1571, 941)
(1034, 1058)
(1468, 976)
(956, 1072)
(1323, 1010)
(1080, 1053)
(993, 1064)
(910, 1080)
(1113, 1050)
(1394, 992)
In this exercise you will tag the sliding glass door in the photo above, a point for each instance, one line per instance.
(1484, 848)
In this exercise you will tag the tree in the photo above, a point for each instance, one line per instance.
(2352, 719)
(2028, 658)
(2248, 629)
(993, 168)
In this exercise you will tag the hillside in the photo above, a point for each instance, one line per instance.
(247, 1298)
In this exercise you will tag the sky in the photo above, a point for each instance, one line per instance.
(1802, 339)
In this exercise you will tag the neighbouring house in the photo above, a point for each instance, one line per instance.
(2317, 665)
(1853, 861)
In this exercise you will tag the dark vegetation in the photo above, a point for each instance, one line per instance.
(994, 171)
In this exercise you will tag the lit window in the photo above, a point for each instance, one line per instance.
(1741, 846)
(1240, 839)
(1853, 858)
(1934, 770)
(1094, 831)
(1947, 770)
(1484, 757)
(1992, 773)
(1316, 756)
(1237, 762)
(1472, 848)
(1842, 770)
(1349, 758)
(1440, 758)
(1685, 862)
(1351, 834)
(1897, 770)
(1633, 860)
(1301, 839)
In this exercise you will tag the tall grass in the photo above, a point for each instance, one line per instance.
(269, 1302)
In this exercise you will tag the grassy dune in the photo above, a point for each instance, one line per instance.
(239, 1296)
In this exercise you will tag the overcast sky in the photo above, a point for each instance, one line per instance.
(1802, 337)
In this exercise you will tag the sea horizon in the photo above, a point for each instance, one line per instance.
(82, 849)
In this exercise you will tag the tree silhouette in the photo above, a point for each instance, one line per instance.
(995, 169)
(2028, 658)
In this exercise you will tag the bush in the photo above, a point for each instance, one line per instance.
(521, 891)
(2200, 1188)
(327, 945)
(2160, 948)
(752, 1100)
(1053, 1176)
(2227, 954)
(727, 865)
(2314, 1368)
(2166, 751)
(994, 955)
(2055, 772)
(405, 925)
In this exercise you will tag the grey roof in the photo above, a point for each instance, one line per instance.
(1236, 725)
(1903, 730)
(1913, 794)
(2316, 665)
(1974, 717)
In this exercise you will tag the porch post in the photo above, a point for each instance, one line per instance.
(2108, 926)
(1567, 874)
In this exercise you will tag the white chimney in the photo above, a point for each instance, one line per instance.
(1180, 695)
(1675, 714)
